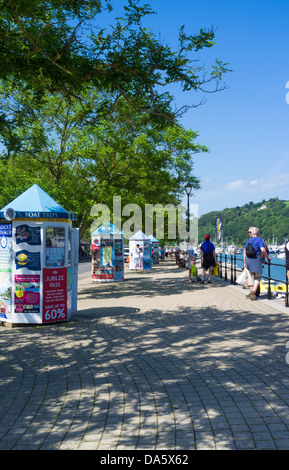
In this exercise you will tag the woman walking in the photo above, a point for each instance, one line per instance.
(254, 253)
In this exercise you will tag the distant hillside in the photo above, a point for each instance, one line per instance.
(272, 218)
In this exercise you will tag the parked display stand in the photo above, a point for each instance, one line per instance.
(155, 249)
(107, 252)
(38, 260)
(140, 240)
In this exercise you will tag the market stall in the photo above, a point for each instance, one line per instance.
(107, 254)
(155, 249)
(38, 260)
(140, 242)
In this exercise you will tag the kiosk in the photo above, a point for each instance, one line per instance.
(155, 249)
(107, 248)
(139, 238)
(38, 260)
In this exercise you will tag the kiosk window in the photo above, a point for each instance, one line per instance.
(55, 247)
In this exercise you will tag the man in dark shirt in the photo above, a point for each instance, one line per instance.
(208, 258)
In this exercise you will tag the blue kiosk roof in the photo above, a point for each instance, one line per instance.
(35, 203)
(106, 229)
(153, 239)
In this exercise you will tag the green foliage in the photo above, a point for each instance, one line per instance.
(272, 221)
(81, 158)
(57, 46)
(86, 112)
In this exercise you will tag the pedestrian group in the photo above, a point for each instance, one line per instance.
(256, 253)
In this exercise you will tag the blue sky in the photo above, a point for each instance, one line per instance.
(246, 126)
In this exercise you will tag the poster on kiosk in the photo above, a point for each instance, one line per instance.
(140, 242)
(107, 254)
(38, 260)
(155, 249)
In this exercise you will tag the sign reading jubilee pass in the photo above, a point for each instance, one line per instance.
(54, 294)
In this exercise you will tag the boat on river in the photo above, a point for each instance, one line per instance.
(264, 285)
(273, 249)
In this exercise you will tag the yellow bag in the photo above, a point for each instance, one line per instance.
(194, 270)
(215, 271)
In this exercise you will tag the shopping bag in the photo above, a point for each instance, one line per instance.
(189, 264)
(215, 271)
(194, 270)
(242, 278)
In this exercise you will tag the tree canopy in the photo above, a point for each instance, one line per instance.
(58, 46)
(87, 112)
(80, 158)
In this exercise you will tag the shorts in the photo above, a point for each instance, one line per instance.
(252, 277)
(208, 261)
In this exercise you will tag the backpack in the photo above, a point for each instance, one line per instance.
(250, 250)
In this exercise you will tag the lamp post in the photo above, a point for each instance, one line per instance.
(188, 189)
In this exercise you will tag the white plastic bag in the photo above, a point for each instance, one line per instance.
(189, 264)
(242, 278)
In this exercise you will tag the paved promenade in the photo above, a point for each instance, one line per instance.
(150, 363)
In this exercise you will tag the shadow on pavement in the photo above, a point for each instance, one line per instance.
(177, 378)
(163, 280)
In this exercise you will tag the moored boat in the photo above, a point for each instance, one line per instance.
(273, 249)
(264, 285)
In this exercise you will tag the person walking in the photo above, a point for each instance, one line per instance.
(287, 257)
(182, 259)
(265, 262)
(140, 259)
(136, 257)
(208, 258)
(254, 254)
(191, 259)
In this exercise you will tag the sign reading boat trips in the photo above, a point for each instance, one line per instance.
(54, 295)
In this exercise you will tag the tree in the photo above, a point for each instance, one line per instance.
(271, 221)
(86, 111)
(82, 159)
(57, 46)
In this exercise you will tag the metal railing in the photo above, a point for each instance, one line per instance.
(228, 267)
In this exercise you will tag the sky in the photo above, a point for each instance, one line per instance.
(246, 126)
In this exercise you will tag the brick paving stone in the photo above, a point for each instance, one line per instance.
(149, 363)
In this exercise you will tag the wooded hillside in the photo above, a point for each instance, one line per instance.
(271, 217)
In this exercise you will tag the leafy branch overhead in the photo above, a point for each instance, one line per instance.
(87, 108)
(80, 157)
(57, 45)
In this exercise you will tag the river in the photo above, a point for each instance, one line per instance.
(277, 268)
